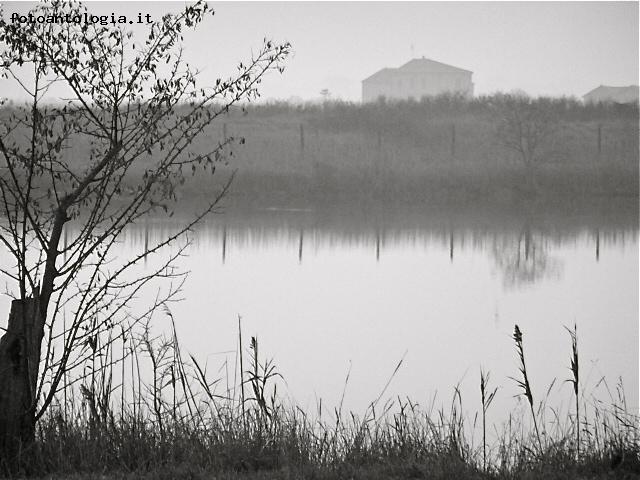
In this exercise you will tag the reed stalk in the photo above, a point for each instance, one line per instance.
(575, 380)
(524, 383)
(242, 399)
(487, 398)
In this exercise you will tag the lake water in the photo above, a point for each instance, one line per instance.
(337, 292)
(328, 293)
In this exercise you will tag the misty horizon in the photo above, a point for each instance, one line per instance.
(555, 49)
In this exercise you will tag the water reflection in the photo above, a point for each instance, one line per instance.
(325, 290)
(524, 258)
(521, 249)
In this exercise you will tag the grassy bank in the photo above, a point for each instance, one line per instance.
(444, 150)
(447, 150)
(177, 422)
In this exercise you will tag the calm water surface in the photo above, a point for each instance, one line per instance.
(328, 294)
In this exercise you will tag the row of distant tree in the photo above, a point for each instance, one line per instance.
(571, 108)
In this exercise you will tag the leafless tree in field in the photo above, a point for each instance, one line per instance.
(526, 126)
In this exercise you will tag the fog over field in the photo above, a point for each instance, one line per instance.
(542, 48)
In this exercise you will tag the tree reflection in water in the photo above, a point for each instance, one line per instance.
(524, 259)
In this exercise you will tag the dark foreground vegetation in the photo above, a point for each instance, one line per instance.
(176, 422)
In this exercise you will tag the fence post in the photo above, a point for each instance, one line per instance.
(378, 169)
(599, 138)
(301, 141)
(453, 140)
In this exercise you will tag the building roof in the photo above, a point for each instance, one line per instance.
(430, 66)
(380, 74)
(614, 94)
(417, 65)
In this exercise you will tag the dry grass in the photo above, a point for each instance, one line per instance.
(178, 423)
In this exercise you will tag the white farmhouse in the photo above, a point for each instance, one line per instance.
(415, 79)
(605, 94)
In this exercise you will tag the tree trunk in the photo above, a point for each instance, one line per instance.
(531, 180)
(19, 362)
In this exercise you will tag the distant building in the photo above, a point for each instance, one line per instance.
(604, 94)
(418, 78)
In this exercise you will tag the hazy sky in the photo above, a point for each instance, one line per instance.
(551, 48)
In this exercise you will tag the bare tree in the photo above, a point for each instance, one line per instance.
(137, 108)
(526, 126)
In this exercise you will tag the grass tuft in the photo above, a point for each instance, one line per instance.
(177, 422)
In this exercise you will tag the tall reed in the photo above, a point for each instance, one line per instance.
(524, 382)
(487, 398)
(165, 432)
(575, 370)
